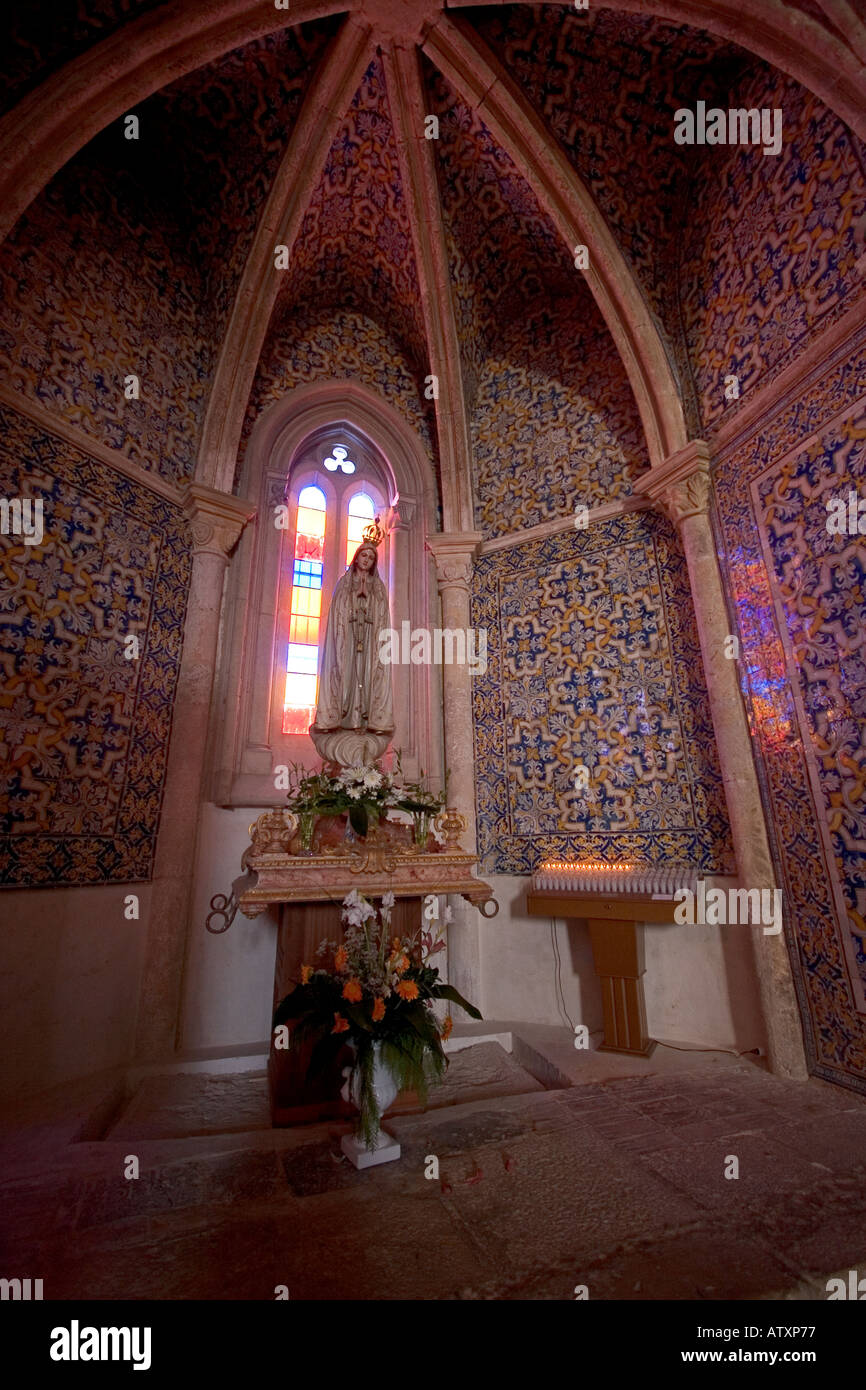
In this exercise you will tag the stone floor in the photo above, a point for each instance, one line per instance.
(545, 1182)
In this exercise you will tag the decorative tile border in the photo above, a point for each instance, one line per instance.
(800, 601)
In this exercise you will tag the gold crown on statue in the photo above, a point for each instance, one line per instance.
(374, 533)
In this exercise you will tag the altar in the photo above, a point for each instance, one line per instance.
(309, 889)
(360, 843)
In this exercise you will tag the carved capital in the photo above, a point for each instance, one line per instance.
(453, 553)
(404, 511)
(216, 519)
(681, 485)
(688, 497)
(454, 572)
(278, 490)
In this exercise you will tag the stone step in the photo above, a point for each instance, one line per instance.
(207, 1139)
(187, 1104)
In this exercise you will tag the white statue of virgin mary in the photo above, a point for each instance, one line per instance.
(355, 716)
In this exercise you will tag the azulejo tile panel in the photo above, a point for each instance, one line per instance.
(311, 343)
(555, 422)
(84, 731)
(800, 597)
(607, 85)
(594, 661)
(237, 115)
(493, 224)
(93, 289)
(769, 258)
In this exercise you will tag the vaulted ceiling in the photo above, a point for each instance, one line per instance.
(309, 127)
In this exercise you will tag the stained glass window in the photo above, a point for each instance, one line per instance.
(306, 609)
(361, 512)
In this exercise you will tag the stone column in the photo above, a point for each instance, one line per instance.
(681, 487)
(400, 595)
(453, 553)
(216, 521)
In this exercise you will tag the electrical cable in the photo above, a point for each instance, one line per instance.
(729, 1051)
(560, 1002)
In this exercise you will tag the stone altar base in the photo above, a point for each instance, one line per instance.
(310, 889)
(297, 1099)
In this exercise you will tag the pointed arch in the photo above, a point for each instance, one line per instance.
(248, 743)
(58, 118)
(789, 39)
(466, 61)
(282, 217)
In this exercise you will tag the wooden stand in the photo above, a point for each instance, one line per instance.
(618, 956)
(616, 933)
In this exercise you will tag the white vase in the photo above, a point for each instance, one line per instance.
(382, 1149)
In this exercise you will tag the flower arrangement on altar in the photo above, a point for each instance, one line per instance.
(375, 992)
(367, 794)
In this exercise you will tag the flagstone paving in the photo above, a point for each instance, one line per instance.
(505, 1190)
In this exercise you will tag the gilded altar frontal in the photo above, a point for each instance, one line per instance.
(433, 668)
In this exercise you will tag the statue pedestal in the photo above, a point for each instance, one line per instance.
(349, 747)
(370, 867)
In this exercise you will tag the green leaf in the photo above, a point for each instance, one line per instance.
(449, 992)
(358, 818)
(357, 1015)
(325, 1053)
(423, 1025)
(293, 1005)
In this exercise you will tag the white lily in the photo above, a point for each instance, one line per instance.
(356, 903)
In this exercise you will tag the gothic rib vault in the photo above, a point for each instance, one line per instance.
(411, 258)
(337, 161)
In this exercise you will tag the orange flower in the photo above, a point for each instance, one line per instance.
(378, 1010)
(352, 991)
(341, 960)
(396, 944)
(306, 972)
(446, 1027)
(407, 989)
(398, 963)
(341, 1025)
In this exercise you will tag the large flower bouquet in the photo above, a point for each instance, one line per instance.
(376, 991)
(366, 793)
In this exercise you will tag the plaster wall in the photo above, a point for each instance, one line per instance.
(229, 978)
(518, 964)
(69, 985)
(700, 983)
(701, 986)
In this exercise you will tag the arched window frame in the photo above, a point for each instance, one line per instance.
(338, 490)
(246, 753)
